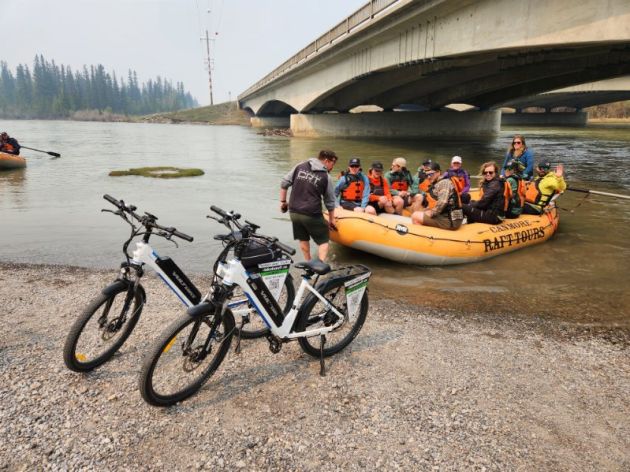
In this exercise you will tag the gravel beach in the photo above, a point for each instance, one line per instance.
(420, 388)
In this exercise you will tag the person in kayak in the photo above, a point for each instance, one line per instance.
(489, 208)
(310, 184)
(519, 151)
(444, 205)
(380, 196)
(353, 188)
(541, 190)
(8, 144)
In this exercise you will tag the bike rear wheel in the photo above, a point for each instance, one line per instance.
(178, 363)
(103, 327)
(256, 328)
(314, 315)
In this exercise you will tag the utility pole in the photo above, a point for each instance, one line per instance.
(209, 60)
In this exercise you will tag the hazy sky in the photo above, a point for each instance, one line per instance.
(162, 37)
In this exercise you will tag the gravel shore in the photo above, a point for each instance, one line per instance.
(419, 389)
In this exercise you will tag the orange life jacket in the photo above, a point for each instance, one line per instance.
(378, 187)
(353, 188)
(423, 182)
(454, 199)
(534, 196)
(459, 183)
(400, 181)
(519, 198)
(7, 147)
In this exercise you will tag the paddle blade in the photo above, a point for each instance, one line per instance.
(53, 154)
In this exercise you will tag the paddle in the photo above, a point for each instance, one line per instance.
(54, 154)
(596, 192)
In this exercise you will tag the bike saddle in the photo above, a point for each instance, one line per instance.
(315, 266)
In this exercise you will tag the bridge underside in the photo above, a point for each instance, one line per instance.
(483, 81)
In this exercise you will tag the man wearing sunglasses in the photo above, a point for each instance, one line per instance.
(353, 188)
(310, 184)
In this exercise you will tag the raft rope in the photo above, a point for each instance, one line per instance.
(431, 238)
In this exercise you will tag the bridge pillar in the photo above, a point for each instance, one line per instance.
(269, 121)
(577, 119)
(423, 124)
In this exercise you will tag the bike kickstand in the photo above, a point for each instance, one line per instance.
(244, 321)
(322, 366)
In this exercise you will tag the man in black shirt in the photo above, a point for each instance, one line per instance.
(311, 183)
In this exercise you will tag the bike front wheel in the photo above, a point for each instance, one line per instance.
(186, 355)
(256, 328)
(103, 327)
(314, 314)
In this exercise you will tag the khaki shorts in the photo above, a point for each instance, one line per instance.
(306, 227)
(441, 221)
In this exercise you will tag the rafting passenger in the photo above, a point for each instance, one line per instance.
(514, 179)
(420, 186)
(444, 205)
(490, 206)
(8, 144)
(400, 184)
(462, 179)
(380, 196)
(541, 190)
(519, 151)
(353, 188)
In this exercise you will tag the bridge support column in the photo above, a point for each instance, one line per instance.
(424, 124)
(270, 121)
(577, 119)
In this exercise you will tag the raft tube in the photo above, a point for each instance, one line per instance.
(10, 161)
(396, 238)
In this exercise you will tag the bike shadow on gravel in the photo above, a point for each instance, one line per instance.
(236, 381)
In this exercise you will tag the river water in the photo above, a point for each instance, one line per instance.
(50, 211)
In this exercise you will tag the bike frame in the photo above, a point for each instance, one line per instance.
(176, 280)
(232, 272)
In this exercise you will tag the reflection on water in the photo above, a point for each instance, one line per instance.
(50, 211)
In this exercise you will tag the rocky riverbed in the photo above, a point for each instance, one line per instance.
(419, 389)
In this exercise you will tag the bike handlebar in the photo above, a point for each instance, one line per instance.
(148, 221)
(228, 217)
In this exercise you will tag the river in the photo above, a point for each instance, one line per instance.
(50, 211)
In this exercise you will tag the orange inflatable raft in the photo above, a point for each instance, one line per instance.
(10, 161)
(395, 237)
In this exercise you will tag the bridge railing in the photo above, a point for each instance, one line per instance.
(365, 13)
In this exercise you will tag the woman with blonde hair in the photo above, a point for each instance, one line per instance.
(490, 206)
(519, 152)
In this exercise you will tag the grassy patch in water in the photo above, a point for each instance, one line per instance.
(158, 172)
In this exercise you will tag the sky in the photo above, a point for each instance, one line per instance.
(163, 37)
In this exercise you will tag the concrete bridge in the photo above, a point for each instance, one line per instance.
(577, 98)
(429, 54)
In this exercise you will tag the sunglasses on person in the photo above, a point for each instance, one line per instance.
(354, 166)
(488, 172)
(429, 174)
(517, 142)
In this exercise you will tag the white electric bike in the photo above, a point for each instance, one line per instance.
(325, 317)
(109, 319)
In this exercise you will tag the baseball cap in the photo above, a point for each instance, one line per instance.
(456, 159)
(355, 161)
(434, 166)
(546, 165)
(400, 161)
(377, 165)
(427, 162)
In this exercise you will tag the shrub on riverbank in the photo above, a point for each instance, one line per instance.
(158, 172)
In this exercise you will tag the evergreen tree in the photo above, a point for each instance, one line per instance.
(54, 91)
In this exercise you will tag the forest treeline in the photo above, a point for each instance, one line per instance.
(53, 91)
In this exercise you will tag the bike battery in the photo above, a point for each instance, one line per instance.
(269, 303)
(179, 279)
